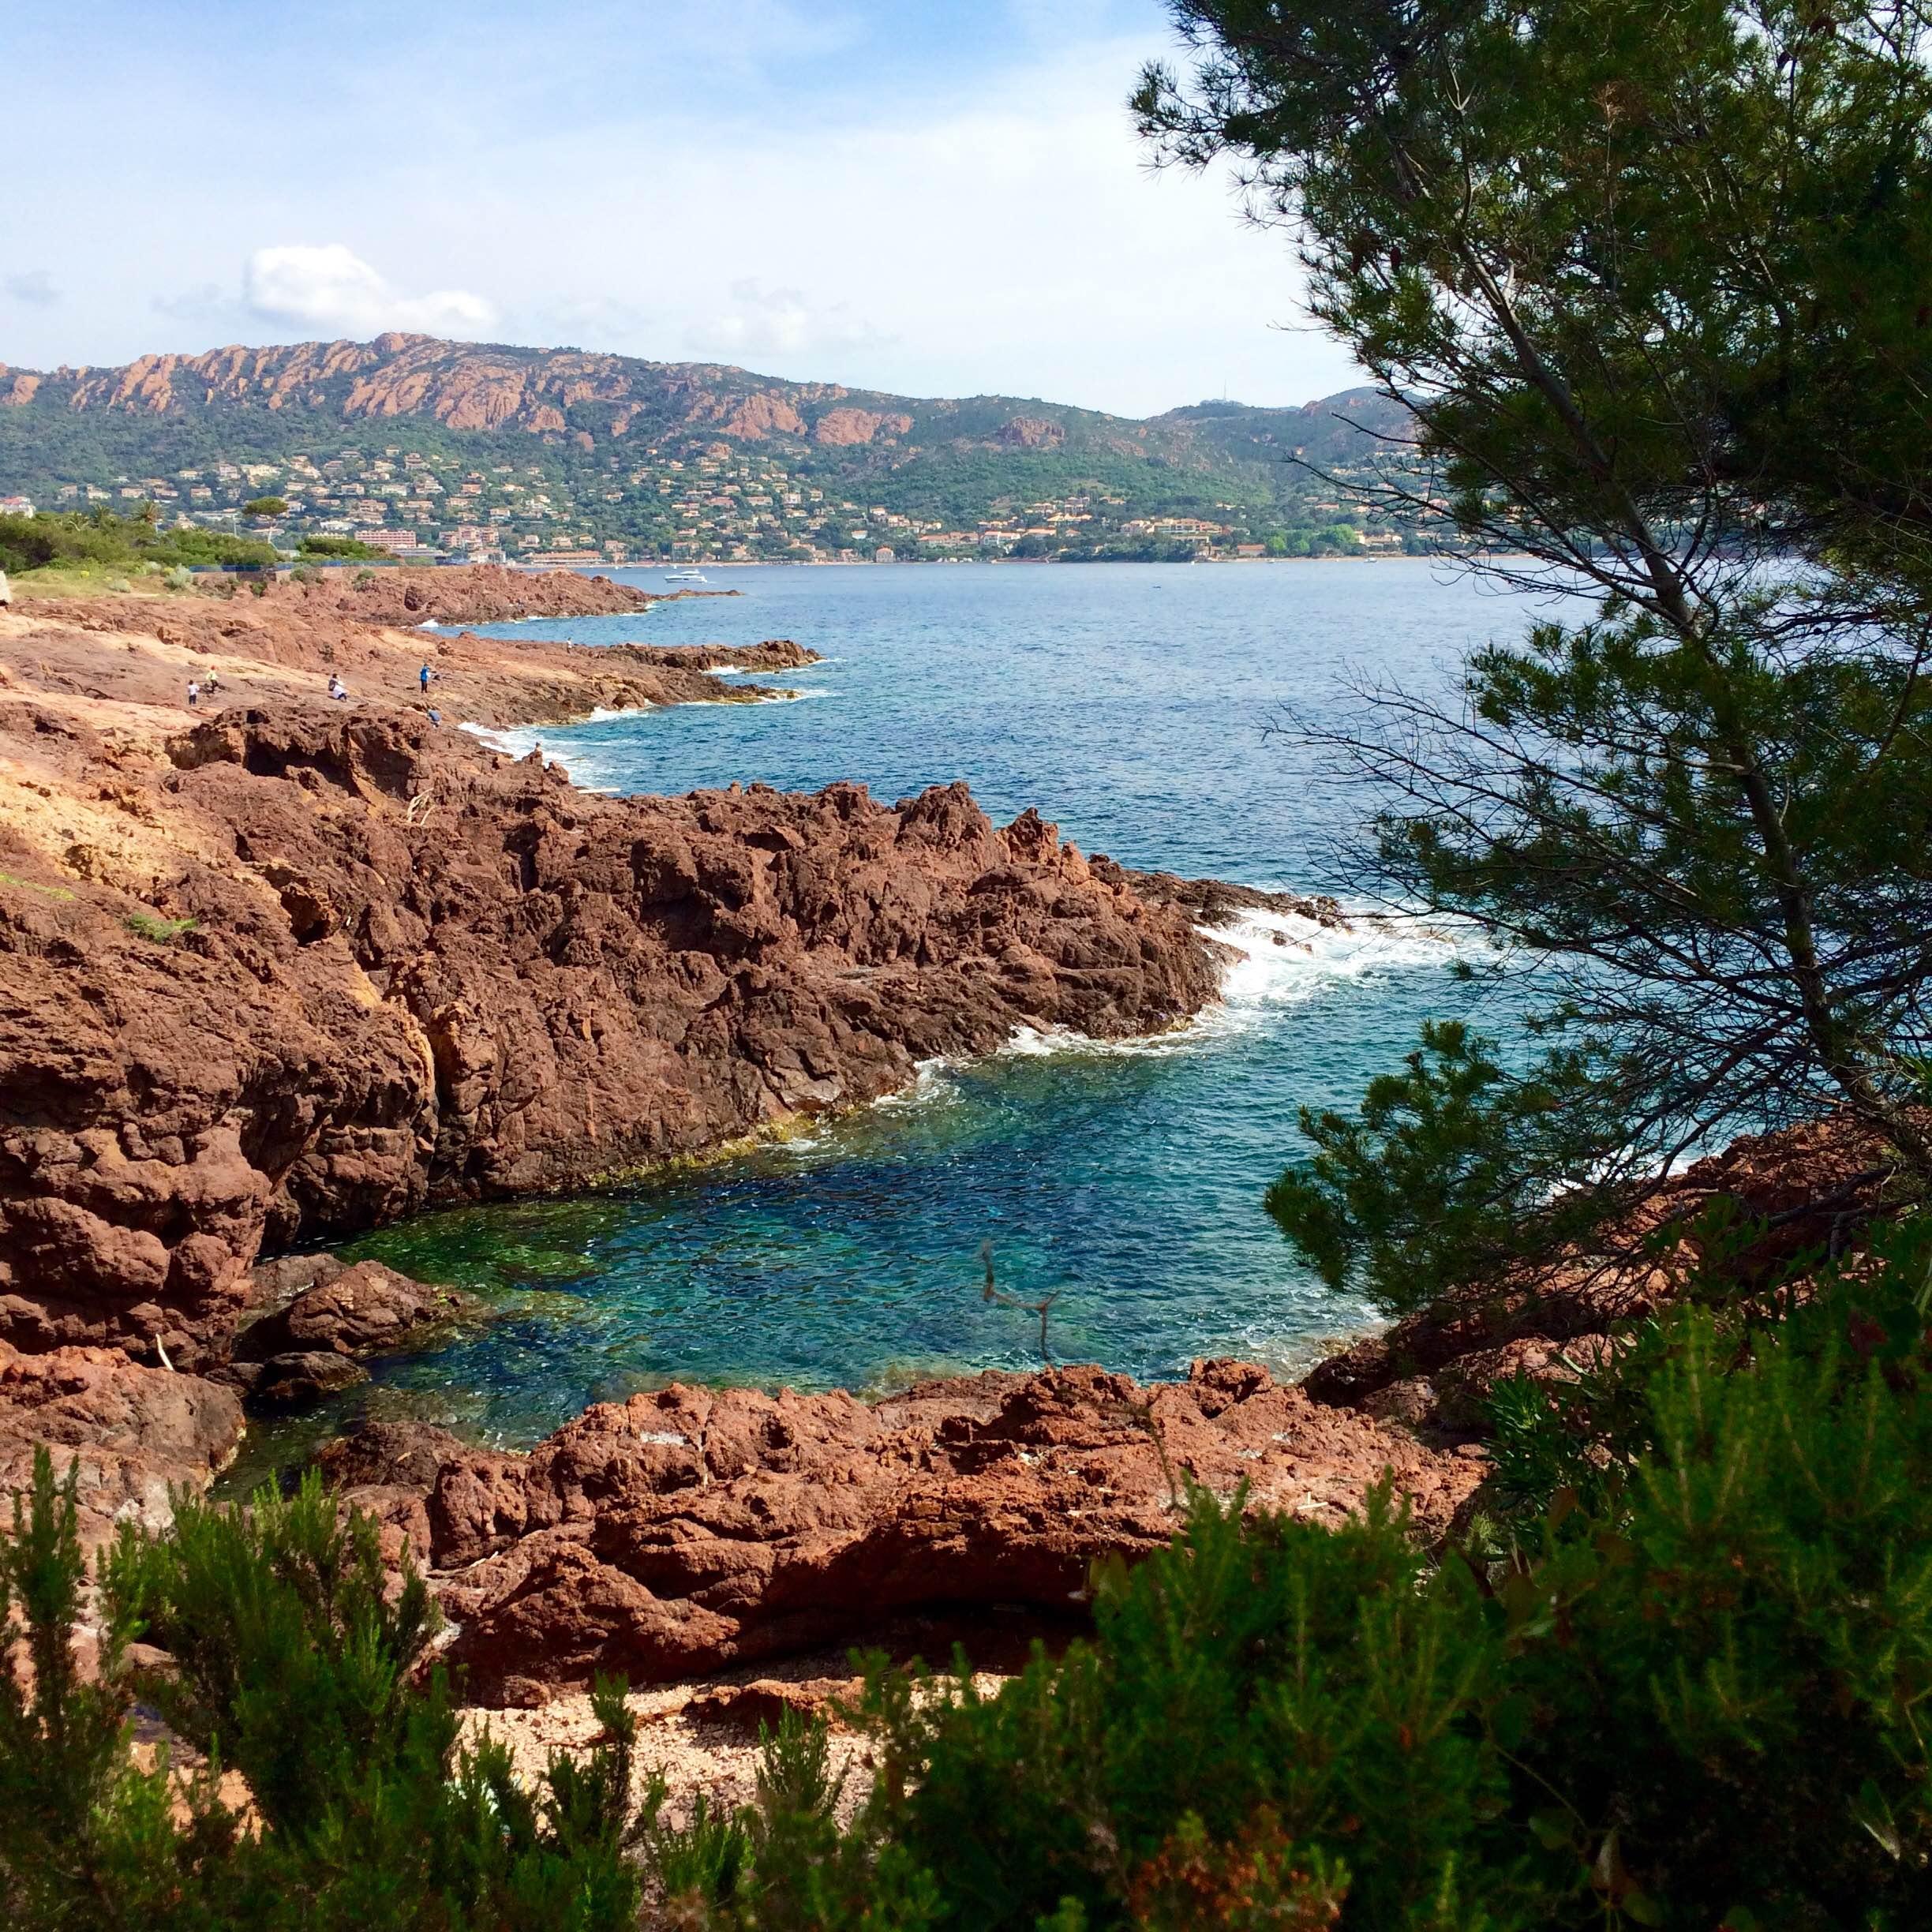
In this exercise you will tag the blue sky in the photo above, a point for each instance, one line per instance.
(937, 199)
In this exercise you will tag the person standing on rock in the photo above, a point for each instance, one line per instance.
(194, 696)
(423, 677)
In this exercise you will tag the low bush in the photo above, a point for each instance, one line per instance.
(99, 538)
(346, 548)
(1677, 1676)
(292, 1663)
(151, 925)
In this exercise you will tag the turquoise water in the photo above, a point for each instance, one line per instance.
(1129, 704)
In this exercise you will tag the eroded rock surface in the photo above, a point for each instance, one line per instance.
(378, 966)
(478, 593)
(309, 1344)
(137, 1432)
(689, 1530)
(1803, 1189)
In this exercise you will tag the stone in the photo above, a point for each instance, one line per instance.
(137, 1432)
(691, 1531)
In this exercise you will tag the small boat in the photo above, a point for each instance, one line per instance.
(685, 576)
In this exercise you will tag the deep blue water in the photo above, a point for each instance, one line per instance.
(1128, 703)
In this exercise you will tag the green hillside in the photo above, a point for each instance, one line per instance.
(463, 448)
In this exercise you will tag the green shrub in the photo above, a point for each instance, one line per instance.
(1677, 1676)
(88, 1839)
(70, 538)
(345, 548)
(162, 932)
(1680, 1679)
(292, 1663)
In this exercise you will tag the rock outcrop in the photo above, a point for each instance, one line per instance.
(689, 1530)
(479, 593)
(376, 966)
(311, 1345)
(137, 1432)
(1803, 1189)
(118, 667)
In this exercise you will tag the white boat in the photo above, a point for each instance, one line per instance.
(685, 576)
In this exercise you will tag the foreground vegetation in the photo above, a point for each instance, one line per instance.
(1678, 1675)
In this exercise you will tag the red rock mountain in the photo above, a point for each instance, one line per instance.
(273, 400)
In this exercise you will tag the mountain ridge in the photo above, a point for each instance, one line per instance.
(588, 414)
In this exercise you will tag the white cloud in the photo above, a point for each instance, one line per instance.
(331, 288)
(35, 286)
(777, 321)
(973, 240)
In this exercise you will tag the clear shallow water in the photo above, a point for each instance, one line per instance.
(1127, 702)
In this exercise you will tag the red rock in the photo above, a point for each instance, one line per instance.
(688, 1530)
(412, 971)
(1804, 1186)
(137, 1432)
(479, 593)
(358, 1310)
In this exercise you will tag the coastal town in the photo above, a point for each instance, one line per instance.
(428, 450)
(708, 502)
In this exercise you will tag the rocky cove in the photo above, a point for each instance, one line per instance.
(282, 970)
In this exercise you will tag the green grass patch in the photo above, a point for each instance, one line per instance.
(162, 932)
(46, 892)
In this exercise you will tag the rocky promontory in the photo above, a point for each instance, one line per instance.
(479, 593)
(280, 969)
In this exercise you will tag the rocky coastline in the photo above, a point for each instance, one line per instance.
(276, 969)
(279, 970)
(484, 593)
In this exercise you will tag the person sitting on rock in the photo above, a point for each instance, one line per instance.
(338, 689)
(435, 717)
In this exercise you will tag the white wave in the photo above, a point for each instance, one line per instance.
(516, 741)
(1285, 958)
(1282, 960)
(931, 1080)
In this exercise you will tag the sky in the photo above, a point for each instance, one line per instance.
(925, 196)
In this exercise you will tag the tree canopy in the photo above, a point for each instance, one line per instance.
(1652, 279)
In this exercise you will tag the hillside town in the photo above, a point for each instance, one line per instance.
(699, 502)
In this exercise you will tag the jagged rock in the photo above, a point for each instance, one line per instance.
(299, 1379)
(137, 1432)
(517, 986)
(360, 1310)
(1802, 1187)
(687, 1530)
(482, 593)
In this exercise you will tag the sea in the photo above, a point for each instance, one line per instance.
(1139, 708)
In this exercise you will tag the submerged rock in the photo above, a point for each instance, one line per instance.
(359, 1309)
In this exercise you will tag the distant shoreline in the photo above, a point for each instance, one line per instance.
(1009, 562)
